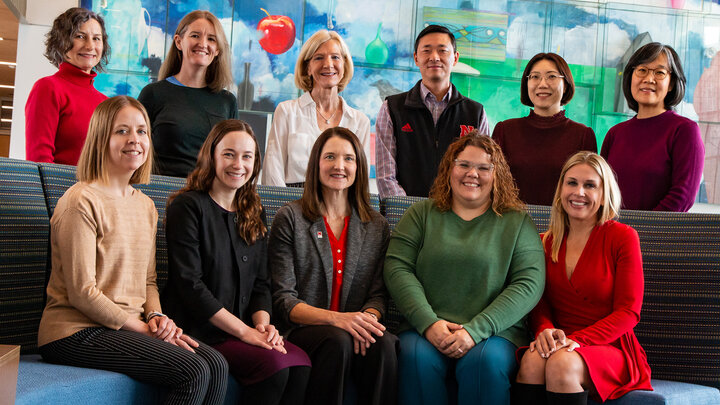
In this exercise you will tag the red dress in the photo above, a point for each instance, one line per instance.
(599, 306)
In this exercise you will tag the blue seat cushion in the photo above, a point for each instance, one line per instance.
(669, 393)
(44, 383)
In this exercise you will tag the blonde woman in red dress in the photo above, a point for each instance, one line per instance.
(584, 340)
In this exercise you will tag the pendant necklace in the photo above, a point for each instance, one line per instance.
(327, 120)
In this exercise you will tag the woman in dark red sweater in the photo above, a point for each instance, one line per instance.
(536, 146)
(59, 107)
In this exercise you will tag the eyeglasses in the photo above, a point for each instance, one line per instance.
(550, 78)
(481, 168)
(658, 73)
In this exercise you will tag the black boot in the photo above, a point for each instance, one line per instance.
(527, 394)
(575, 398)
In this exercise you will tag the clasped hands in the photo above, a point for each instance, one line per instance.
(361, 326)
(265, 336)
(550, 341)
(451, 339)
(163, 328)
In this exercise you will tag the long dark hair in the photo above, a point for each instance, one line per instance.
(359, 192)
(247, 200)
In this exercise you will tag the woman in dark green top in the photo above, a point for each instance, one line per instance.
(464, 267)
(189, 97)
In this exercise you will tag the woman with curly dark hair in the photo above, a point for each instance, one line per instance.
(464, 267)
(218, 279)
(59, 107)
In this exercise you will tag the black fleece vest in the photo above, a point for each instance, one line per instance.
(420, 144)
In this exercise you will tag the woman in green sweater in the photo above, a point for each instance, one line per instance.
(464, 267)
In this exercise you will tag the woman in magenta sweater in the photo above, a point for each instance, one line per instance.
(59, 107)
(537, 146)
(658, 155)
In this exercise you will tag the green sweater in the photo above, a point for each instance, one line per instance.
(486, 273)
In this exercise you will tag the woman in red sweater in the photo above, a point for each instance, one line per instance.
(593, 293)
(59, 107)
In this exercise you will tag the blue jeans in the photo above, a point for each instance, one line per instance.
(483, 375)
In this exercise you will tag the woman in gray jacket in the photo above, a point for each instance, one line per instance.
(326, 254)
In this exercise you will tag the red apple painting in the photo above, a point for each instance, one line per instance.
(278, 33)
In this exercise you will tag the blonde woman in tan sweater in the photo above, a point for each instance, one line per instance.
(103, 309)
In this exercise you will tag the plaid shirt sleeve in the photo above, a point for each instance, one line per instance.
(385, 166)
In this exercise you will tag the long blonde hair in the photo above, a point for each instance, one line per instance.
(609, 209)
(92, 164)
(219, 74)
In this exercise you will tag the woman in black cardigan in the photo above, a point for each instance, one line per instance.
(218, 281)
(326, 254)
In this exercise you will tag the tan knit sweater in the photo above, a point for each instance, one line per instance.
(103, 262)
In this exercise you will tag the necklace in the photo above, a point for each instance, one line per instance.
(327, 120)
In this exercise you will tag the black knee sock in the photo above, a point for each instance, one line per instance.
(268, 391)
(295, 388)
(527, 394)
(575, 398)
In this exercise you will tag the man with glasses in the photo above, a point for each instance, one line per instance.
(415, 128)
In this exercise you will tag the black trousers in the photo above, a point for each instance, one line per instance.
(334, 365)
(192, 378)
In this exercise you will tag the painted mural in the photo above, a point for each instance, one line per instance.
(495, 39)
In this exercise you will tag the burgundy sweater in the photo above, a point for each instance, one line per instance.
(658, 161)
(536, 149)
(57, 115)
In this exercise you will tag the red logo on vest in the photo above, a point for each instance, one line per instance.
(406, 128)
(465, 129)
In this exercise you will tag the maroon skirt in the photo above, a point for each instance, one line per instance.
(251, 364)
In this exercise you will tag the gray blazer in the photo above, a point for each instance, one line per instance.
(300, 262)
